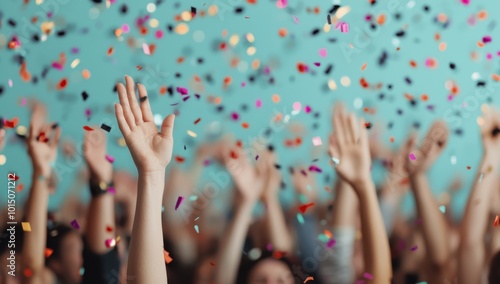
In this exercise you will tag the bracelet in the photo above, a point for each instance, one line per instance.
(100, 188)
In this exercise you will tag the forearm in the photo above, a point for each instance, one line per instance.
(36, 215)
(280, 236)
(229, 255)
(474, 224)
(375, 242)
(434, 226)
(146, 262)
(100, 216)
(345, 206)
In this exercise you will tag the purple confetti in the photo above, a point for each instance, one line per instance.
(75, 224)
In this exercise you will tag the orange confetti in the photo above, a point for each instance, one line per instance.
(110, 51)
(497, 220)
(20, 187)
(139, 67)
(245, 125)
(27, 272)
(163, 90)
(167, 257)
(48, 252)
(482, 15)
(495, 77)
(282, 32)
(85, 74)
(424, 97)
(308, 278)
(363, 67)
(179, 159)
(252, 1)
(391, 139)
(381, 19)
(180, 59)
(275, 98)
(413, 63)
(25, 74)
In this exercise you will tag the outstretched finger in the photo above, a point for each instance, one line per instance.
(147, 115)
(167, 127)
(125, 106)
(132, 100)
(122, 122)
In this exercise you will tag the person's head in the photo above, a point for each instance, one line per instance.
(494, 274)
(268, 269)
(66, 259)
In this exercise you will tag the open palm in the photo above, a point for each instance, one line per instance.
(150, 149)
(350, 146)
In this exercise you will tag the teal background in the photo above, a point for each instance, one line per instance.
(92, 33)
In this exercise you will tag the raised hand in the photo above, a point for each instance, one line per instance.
(350, 146)
(247, 178)
(42, 141)
(421, 159)
(304, 184)
(271, 175)
(94, 151)
(150, 149)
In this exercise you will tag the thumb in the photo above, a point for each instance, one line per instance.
(167, 127)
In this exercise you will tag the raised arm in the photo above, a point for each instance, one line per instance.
(42, 149)
(435, 229)
(354, 163)
(249, 185)
(101, 213)
(151, 151)
(472, 252)
(279, 235)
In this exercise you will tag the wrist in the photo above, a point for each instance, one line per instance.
(41, 171)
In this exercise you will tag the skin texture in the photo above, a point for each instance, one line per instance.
(151, 151)
(352, 150)
(101, 213)
(271, 271)
(42, 155)
(249, 185)
(434, 226)
(472, 252)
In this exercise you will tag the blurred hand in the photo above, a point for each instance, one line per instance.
(304, 183)
(94, 151)
(247, 178)
(419, 161)
(270, 175)
(349, 144)
(42, 141)
(150, 149)
(490, 133)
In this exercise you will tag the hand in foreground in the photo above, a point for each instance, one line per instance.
(271, 176)
(42, 141)
(418, 161)
(349, 144)
(94, 151)
(150, 149)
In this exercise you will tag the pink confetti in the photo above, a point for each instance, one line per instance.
(75, 224)
(295, 19)
(57, 65)
(111, 190)
(317, 141)
(412, 157)
(11, 83)
(258, 103)
(110, 159)
(317, 63)
(465, 2)
(159, 34)
(182, 90)
(368, 276)
(23, 102)
(307, 109)
(314, 168)
(110, 243)
(235, 116)
(323, 52)
(330, 243)
(125, 28)
(145, 49)
(179, 201)
(282, 4)
(344, 27)
(414, 248)
(486, 39)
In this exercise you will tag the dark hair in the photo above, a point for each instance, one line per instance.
(494, 274)
(55, 235)
(247, 265)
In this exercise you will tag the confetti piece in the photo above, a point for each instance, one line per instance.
(300, 218)
(27, 227)
(110, 243)
(497, 221)
(442, 208)
(179, 159)
(179, 201)
(309, 278)
(295, 19)
(192, 134)
(88, 128)
(110, 159)
(323, 52)
(282, 4)
(48, 252)
(304, 207)
(330, 243)
(75, 224)
(106, 127)
(414, 248)
(166, 256)
(197, 229)
(412, 157)
(62, 84)
(317, 141)
(368, 276)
